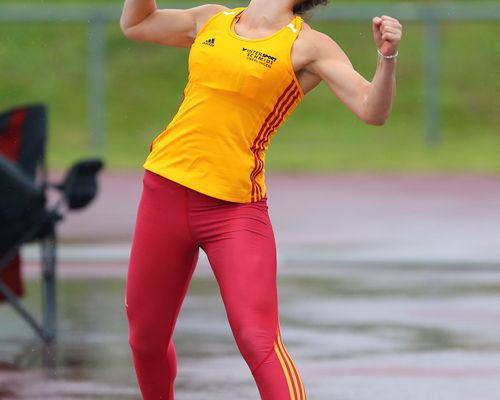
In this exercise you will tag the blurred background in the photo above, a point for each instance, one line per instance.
(388, 237)
(142, 84)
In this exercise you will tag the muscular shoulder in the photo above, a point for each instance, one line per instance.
(203, 13)
(312, 45)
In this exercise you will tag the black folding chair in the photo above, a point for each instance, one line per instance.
(25, 215)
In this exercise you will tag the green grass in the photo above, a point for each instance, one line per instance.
(47, 62)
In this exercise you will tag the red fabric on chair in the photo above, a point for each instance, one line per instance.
(10, 144)
(11, 277)
(10, 139)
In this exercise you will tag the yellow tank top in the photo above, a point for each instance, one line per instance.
(239, 92)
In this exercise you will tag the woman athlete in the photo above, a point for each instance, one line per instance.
(204, 179)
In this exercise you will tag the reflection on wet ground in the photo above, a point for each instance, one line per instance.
(357, 332)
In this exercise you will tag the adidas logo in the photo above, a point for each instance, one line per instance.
(210, 42)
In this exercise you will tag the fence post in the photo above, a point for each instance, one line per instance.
(432, 57)
(97, 84)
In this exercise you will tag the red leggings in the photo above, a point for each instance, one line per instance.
(173, 222)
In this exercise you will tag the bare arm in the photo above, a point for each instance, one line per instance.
(370, 101)
(142, 21)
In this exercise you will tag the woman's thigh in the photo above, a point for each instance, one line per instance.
(242, 254)
(163, 255)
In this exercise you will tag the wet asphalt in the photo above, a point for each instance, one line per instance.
(389, 290)
(356, 331)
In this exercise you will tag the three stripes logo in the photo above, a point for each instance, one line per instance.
(292, 377)
(288, 99)
(210, 42)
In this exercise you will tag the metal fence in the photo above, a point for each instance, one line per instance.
(430, 15)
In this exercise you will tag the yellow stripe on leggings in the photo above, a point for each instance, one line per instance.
(302, 394)
(295, 374)
(285, 371)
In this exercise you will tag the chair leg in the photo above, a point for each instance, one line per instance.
(49, 306)
(14, 302)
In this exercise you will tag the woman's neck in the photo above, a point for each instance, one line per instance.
(268, 13)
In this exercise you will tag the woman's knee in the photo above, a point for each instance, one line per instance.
(147, 339)
(145, 346)
(254, 344)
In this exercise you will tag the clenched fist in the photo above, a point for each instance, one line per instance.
(387, 32)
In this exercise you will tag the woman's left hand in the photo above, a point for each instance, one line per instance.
(387, 32)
